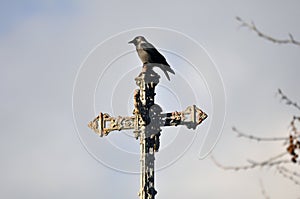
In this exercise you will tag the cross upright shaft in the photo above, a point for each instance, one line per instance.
(149, 130)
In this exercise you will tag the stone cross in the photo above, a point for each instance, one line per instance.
(146, 123)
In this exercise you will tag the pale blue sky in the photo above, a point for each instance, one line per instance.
(42, 45)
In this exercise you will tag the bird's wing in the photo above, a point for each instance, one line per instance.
(147, 45)
(158, 59)
(153, 52)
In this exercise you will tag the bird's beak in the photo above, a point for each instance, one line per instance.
(131, 42)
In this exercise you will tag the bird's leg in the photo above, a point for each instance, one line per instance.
(145, 67)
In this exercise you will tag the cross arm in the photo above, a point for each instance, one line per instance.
(191, 117)
(103, 124)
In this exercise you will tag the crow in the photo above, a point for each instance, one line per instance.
(149, 55)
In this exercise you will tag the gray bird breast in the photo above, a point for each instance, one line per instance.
(144, 56)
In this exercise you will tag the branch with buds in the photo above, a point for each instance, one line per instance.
(289, 174)
(287, 100)
(253, 27)
(271, 162)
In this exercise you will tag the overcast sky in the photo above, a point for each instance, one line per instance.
(46, 154)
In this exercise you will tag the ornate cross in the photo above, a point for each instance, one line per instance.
(146, 124)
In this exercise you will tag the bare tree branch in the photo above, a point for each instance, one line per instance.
(291, 141)
(253, 27)
(294, 141)
(289, 175)
(287, 100)
(273, 161)
(294, 173)
(293, 126)
(263, 191)
(252, 137)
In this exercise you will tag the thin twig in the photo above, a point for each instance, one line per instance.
(253, 27)
(287, 100)
(293, 126)
(294, 173)
(252, 137)
(263, 191)
(288, 175)
(273, 161)
(268, 161)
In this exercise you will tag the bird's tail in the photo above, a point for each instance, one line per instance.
(166, 69)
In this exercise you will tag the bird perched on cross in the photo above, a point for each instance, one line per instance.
(150, 56)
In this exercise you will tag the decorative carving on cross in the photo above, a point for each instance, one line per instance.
(146, 124)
